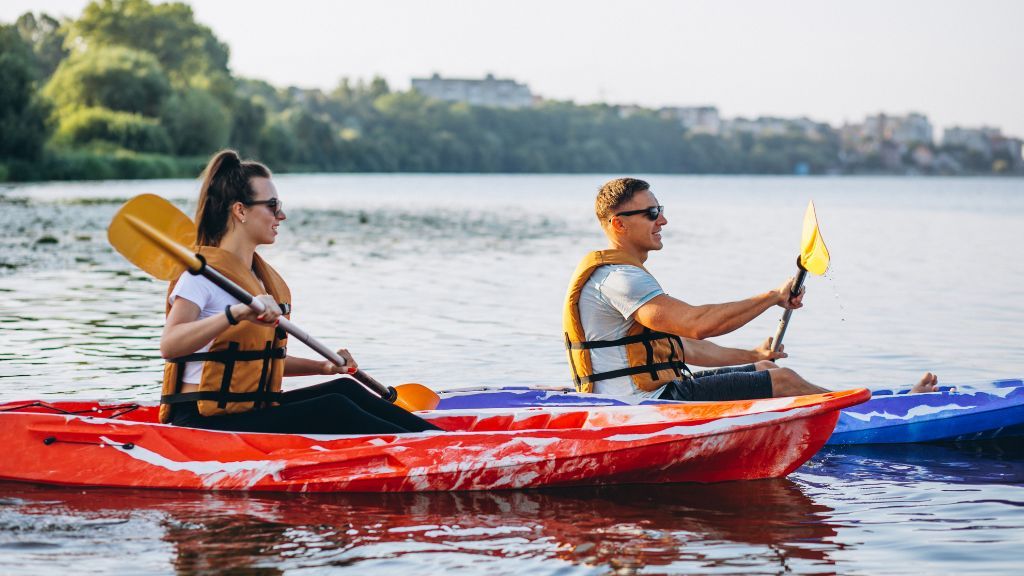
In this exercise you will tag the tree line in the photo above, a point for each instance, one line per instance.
(132, 89)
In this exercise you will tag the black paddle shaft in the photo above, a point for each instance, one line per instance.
(801, 275)
(386, 392)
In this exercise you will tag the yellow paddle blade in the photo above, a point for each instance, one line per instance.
(159, 216)
(414, 397)
(813, 253)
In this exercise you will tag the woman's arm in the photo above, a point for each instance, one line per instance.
(295, 366)
(184, 334)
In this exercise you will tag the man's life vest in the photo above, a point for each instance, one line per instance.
(654, 358)
(245, 363)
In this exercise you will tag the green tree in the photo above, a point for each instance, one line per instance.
(125, 130)
(196, 121)
(111, 77)
(23, 126)
(248, 116)
(46, 36)
(278, 146)
(189, 51)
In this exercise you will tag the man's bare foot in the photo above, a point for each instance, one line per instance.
(929, 383)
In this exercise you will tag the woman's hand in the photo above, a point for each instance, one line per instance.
(349, 367)
(271, 311)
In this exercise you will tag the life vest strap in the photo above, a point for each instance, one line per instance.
(233, 355)
(256, 396)
(676, 366)
(645, 336)
(229, 356)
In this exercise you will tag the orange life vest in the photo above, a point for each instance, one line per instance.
(245, 363)
(654, 358)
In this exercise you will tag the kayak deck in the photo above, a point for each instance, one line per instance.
(102, 444)
(965, 413)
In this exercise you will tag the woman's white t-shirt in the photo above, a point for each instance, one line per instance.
(211, 300)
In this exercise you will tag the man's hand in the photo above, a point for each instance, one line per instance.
(784, 293)
(764, 351)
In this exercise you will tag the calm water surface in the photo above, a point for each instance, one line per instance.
(457, 280)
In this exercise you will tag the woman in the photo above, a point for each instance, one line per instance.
(225, 363)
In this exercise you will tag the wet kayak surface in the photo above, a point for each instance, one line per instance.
(457, 281)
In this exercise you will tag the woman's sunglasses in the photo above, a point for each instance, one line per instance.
(275, 205)
(652, 212)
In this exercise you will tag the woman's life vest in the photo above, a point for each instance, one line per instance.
(242, 370)
(654, 358)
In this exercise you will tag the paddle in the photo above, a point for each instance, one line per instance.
(152, 234)
(813, 258)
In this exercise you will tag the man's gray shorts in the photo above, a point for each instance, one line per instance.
(717, 384)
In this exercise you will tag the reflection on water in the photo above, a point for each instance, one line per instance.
(457, 281)
(747, 527)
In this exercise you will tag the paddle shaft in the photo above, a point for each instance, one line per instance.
(801, 275)
(386, 392)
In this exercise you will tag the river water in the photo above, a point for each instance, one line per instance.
(456, 281)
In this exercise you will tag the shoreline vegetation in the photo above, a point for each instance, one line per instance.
(136, 90)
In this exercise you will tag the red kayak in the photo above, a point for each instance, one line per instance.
(88, 443)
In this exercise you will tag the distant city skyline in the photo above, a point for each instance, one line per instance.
(953, 61)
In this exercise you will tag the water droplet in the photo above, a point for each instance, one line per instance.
(830, 274)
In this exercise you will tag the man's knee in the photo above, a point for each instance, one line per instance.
(783, 376)
(784, 381)
(765, 365)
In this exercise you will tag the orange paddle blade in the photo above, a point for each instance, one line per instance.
(140, 245)
(414, 397)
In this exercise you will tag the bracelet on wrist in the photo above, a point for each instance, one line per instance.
(231, 318)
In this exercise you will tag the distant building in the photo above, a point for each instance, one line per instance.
(889, 140)
(976, 139)
(767, 126)
(988, 142)
(695, 119)
(904, 131)
(490, 91)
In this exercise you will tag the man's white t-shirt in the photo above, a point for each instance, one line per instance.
(211, 300)
(608, 301)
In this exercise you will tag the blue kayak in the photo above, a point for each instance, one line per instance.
(969, 412)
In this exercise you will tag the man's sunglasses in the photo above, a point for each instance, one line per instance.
(652, 212)
(275, 205)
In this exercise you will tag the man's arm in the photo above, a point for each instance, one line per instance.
(667, 314)
(710, 355)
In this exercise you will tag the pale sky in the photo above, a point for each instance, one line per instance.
(958, 62)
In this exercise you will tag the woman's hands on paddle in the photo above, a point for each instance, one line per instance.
(349, 367)
(271, 311)
(764, 351)
(786, 298)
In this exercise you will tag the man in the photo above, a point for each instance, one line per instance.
(626, 336)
